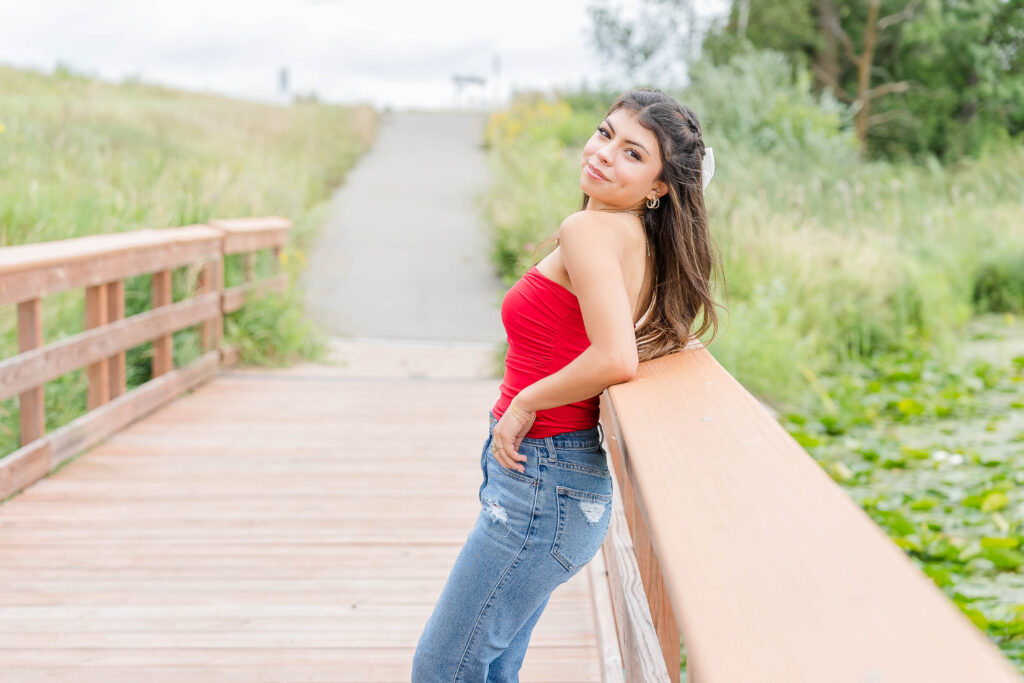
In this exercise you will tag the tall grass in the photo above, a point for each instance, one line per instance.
(828, 260)
(80, 156)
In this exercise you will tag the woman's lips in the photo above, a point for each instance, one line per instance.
(594, 173)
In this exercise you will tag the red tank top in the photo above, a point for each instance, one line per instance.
(545, 332)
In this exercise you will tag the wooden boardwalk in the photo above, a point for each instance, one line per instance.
(272, 525)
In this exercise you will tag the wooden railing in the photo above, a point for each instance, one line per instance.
(728, 535)
(100, 264)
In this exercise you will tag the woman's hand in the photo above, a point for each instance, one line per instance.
(508, 434)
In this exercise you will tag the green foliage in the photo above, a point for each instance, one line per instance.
(906, 386)
(530, 160)
(537, 119)
(965, 61)
(757, 100)
(828, 259)
(962, 62)
(273, 330)
(783, 25)
(999, 281)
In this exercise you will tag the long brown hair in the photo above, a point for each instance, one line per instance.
(683, 251)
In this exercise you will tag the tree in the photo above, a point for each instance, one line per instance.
(968, 58)
(956, 65)
(942, 77)
(864, 94)
(653, 45)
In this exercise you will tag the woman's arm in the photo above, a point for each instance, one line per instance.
(593, 247)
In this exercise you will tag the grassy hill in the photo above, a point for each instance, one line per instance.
(79, 156)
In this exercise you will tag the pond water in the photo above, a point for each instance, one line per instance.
(948, 491)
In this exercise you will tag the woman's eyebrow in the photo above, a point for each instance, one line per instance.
(628, 142)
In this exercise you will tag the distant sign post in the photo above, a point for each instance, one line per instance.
(461, 81)
(496, 67)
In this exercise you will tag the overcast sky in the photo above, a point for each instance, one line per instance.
(399, 53)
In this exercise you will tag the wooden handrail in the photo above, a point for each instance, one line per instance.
(249, 235)
(100, 264)
(752, 554)
(31, 271)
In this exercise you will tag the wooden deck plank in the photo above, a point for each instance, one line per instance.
(335, 664)
(246, 665)
(271, 525)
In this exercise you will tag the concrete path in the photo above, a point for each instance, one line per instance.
(405, 252)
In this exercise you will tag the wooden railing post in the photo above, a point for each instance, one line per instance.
(250, 266)
(211, 278)
(163, 346)
(32, 409)
(247, 236)
(116, 363)
(98, 372)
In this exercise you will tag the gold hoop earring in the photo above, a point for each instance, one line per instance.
(653, 203)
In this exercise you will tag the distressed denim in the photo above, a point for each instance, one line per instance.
(535, 530)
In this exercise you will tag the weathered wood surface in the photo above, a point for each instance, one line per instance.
(271, 525)
(773, 573)
(30, 271)
(45, 363)
(641, 644)
(252, 234)
(30, 462)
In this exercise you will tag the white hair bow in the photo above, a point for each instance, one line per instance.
(707, 166)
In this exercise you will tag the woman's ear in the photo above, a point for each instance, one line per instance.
(661, 188)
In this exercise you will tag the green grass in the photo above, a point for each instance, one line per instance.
(80, 156)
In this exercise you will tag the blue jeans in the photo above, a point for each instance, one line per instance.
(536, 529)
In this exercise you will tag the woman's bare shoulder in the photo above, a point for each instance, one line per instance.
(619, 231)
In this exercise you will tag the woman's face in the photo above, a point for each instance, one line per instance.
(621, 163)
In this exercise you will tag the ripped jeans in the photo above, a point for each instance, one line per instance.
(536, 529)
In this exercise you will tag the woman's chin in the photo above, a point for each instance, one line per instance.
(587, 186)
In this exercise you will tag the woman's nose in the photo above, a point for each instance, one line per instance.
(603, 154)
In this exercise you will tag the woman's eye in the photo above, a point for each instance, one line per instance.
(604, 133)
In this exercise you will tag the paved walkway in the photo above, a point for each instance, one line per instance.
(405, 252)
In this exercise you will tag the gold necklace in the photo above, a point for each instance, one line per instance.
(632, 211)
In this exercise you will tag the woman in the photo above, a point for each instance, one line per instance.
(639, 245)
